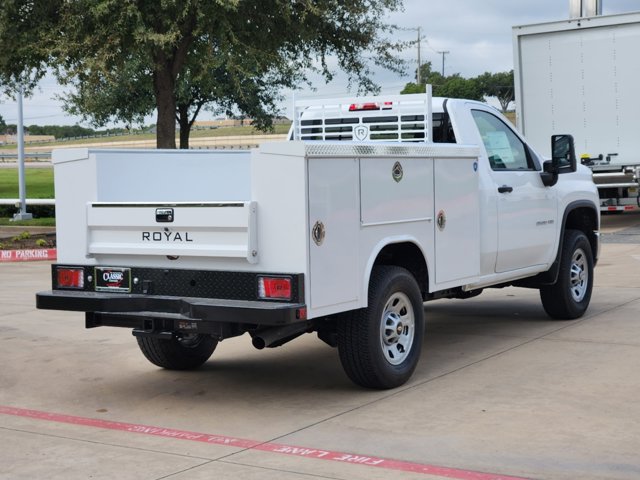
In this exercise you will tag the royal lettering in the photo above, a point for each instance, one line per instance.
(166, 237)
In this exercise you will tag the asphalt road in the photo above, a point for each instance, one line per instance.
(501, 391)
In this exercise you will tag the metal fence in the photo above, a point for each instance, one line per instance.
(13, 157)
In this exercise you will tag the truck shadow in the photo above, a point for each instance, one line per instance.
(457, 333)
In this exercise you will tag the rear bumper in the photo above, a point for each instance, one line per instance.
(190, 313)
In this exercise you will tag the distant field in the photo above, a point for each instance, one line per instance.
(216, 132)
(511, 116)
(39, 182)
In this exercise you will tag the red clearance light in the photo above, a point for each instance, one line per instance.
(358, 107)
(70, 277)
(274, 288)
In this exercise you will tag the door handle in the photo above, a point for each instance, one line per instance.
(505, 189)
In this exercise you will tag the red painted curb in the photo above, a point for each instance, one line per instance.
(243, 443)
(32, 255)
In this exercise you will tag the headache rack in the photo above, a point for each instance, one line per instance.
(388, 118)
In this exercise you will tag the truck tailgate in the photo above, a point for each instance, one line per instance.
(212, 229)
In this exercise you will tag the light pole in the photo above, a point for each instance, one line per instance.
(22, 185)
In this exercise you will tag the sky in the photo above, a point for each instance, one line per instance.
(476, 33)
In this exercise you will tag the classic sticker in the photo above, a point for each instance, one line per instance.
(112, 279)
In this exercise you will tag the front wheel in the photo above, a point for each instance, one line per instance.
(380, 345)
(569, 297)
(184, 353)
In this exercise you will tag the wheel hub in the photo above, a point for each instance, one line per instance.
(579, 275)
(397, 328)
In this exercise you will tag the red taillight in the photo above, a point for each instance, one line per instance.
(274, 288)
(70, 277)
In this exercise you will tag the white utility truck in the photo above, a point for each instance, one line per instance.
(580, 76)
(374, 207)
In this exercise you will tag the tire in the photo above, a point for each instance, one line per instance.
(569, 297)
(380, 346)
(188, 353)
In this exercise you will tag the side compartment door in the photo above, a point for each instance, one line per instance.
(457, 219)
(334, 218)
(527, 210)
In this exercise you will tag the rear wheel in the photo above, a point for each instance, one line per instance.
(184, 353)
(569, 297)
(380, 346)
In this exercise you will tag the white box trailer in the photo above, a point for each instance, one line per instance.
(580, 76)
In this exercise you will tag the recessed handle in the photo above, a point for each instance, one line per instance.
(505, 189)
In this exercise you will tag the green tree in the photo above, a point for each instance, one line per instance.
(452, 86)
(124, 95)
(27, 32)
(60, 131)
(499, 85)
(411, 87)
(185, 54)
(3, 126)
(456, 86)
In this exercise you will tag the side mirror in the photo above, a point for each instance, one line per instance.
(549, 174)
(563, 159)
(563, 154)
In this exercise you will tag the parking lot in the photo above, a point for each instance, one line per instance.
(501, 392)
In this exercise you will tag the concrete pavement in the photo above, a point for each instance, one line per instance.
(500, 389)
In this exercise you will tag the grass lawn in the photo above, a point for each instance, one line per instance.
(39, 183)
(36, 222)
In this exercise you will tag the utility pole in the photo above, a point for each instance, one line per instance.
(418, 29)
(22, 187)
(443, 53)
(419, 60)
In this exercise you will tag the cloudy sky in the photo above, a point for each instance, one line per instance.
(476, 33)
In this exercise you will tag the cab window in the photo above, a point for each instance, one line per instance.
(504, 149)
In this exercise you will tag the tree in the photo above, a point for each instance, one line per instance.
(3, 126)
(453, 86)
(27, 32)
(124, 95)
(456, 86)
(185, 54)
(498, 85)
